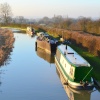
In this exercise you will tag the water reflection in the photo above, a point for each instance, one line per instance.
(7, 59)
(72, 93)
(97, 85)
(14, 30)
(1, 73)
(33, 35)
(46, 56)
(0, 77)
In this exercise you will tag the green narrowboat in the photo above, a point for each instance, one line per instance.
(75, 69)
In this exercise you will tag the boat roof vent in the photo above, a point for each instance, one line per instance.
(66, 47)
(70, 53)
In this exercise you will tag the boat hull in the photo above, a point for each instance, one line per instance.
(72, 84)
(48, 47)
(73, 94)
(30, 33)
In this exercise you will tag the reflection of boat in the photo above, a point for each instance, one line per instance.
(48, 57)
(30, 31)
(47, 43)
(72, 93)
(97, 82)
(76, 70)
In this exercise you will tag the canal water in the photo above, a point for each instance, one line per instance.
(31, 74)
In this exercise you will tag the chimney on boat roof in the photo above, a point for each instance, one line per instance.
(66, 47)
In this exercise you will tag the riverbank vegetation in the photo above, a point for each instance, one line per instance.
(6, 45)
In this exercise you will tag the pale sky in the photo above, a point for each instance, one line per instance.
(49, 8)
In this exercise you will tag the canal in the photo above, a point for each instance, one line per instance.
(31, 74)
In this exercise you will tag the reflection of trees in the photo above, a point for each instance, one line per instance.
(6, 60)
(2, 71)
(5, 13)
(0, 80)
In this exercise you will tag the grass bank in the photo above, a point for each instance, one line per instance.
(93, 60)
(21, 29)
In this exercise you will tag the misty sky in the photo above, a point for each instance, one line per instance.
(49, 8)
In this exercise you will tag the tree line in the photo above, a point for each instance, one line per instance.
(57, 21)
(84, 24)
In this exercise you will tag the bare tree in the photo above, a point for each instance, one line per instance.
(20, 20)
(83, 22)
(5, 13)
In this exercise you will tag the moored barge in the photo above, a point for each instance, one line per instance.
(75, 69)
(30, 31)
(47, 43)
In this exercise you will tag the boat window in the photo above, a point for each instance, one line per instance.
(58, 54)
